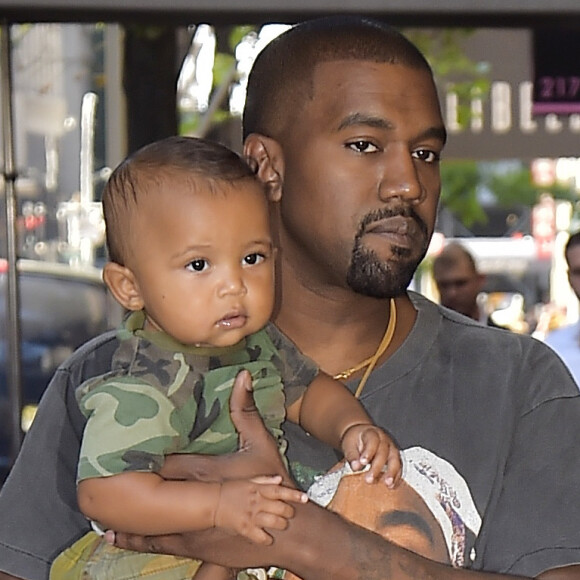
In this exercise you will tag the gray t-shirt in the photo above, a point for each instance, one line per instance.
(501, 408)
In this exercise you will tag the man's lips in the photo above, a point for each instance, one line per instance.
(399, 229)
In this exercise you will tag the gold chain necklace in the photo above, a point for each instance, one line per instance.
(370, 362)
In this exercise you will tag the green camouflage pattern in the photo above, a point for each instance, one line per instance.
(159, 400)
(91, 558)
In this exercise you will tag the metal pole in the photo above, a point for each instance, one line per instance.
(13, 295)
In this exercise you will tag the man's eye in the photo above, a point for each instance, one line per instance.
(362, 146)
(426, 155)
(255, 258)
(197, 265)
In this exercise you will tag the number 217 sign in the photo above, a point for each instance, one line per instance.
(556, 71)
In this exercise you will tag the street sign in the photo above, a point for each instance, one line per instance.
(556, 71)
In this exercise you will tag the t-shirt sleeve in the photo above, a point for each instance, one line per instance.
(40, 516)
(131, 426)
(296, 369)
(533, 525)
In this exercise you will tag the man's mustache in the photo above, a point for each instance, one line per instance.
(389, 212)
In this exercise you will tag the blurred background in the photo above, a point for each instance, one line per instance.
(84, 85)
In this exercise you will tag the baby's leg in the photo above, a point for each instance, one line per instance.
(92, 558)
(209, 571)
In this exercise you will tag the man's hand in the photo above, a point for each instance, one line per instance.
(257, 450)
(249, 506)
(364, 444)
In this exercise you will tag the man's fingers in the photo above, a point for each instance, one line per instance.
(242, 399)
(243, 411)
(254, 437)
(135, 543)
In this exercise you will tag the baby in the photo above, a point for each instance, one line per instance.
(192, 260)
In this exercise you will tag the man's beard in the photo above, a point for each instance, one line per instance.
(370, 276)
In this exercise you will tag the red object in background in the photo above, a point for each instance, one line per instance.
(31, 222)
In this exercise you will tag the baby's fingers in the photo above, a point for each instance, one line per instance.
(281, 493)
(376, 451)
(394, 468)
(272, 521)
(259, 536)
(268, 520)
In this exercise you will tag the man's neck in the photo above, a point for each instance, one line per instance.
(338, 328)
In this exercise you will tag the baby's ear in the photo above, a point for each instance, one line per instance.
(122, 284)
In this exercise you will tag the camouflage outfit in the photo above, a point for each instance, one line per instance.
(161, 398)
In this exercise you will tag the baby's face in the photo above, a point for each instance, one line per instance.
(204, 261)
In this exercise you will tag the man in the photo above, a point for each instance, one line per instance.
(459, 282)
(343, 123)
(566, 340)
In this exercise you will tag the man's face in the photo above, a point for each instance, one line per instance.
(459, 286)
(361, 177)
(203, 260)
(573, 259)
(400, 515)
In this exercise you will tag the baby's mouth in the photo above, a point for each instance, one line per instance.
(235, 319)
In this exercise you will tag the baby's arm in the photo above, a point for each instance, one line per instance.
(330, 412)
(146, 504)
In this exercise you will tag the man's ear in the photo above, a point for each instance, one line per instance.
(122, 284)
(267, 154)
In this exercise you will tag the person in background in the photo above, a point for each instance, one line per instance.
(343, 121)
(566, 339)
(459, 282)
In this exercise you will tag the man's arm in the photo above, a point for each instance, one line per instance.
(342, 551)
(318, 544)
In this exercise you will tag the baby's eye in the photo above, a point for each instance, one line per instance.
(197, 265)
(255, 258)
(426, 155)
(362, 146)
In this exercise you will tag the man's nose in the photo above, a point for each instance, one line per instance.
(400, 178)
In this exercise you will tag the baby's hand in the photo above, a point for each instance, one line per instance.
(249, 506)
(366, 444)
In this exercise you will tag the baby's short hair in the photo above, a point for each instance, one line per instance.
(145, 171)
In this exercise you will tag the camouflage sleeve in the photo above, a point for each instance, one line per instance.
(131, 426)
(296, 369)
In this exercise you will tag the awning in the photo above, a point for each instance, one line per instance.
(513, 13)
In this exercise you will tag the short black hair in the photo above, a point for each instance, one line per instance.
(148, 168)
(281, 77)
